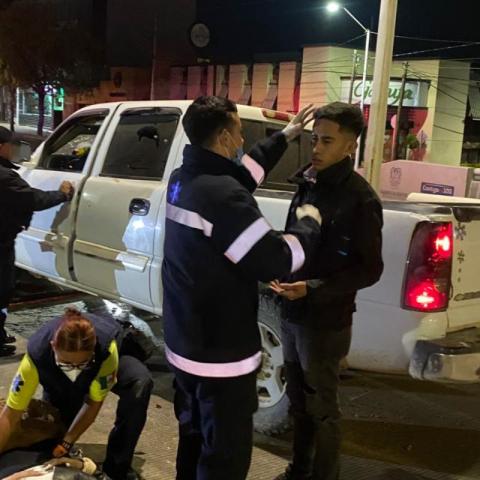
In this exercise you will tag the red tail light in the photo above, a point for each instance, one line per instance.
(428, 276)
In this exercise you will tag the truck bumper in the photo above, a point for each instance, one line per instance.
(455, 358)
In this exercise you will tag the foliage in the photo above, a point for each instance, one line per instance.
(412, 141)
(42, 51)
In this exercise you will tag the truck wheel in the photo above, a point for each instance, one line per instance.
(272, 415)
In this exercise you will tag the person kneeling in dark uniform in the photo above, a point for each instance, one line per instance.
(77, 361)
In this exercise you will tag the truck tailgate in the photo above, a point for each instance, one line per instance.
(464, 307)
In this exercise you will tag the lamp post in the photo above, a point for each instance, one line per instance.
(334, 7)
(381, 79)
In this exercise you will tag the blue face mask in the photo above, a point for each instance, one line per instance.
(238, 157)
(237, 160)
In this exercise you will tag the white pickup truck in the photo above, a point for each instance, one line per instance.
(423, 316)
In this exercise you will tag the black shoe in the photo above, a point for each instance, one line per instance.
(4, 336)
(132, 474)
(7, 350)
(289, 474)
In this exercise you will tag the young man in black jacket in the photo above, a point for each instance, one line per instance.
(319, 299)
(218, 246)
(18, 201)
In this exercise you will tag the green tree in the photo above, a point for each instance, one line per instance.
(8, 81)
(42, 52)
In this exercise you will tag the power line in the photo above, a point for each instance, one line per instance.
(436, 49)
(424, 39)
(440, 90)
(352, 40)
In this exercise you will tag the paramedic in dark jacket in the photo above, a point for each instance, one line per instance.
(18, 201)
(217, 247)
(320, 298)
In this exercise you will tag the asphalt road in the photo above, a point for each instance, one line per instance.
(393, 427)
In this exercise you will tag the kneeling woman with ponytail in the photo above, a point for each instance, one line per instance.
(76, 360)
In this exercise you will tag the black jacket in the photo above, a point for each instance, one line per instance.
(18, 201)
(217, 247)
(349, 255)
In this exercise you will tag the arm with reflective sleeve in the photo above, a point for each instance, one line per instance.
(107, 375)
(99, 389)
(245, 237)
(22, 390)
(262, 158)
(265, 155)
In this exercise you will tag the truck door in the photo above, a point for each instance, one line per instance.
(120, 207)
(67, 155)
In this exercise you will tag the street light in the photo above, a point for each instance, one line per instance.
(381, 79)
(334, 7)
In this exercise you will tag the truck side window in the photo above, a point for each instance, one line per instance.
(68, 148)
(288, 165)
(252, 132)
(305, 148)
(141, 144)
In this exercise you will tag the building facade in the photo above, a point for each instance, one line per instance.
(434, 107)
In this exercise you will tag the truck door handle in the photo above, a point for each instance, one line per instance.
(139, 206)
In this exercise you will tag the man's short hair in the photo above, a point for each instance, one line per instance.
(348, 116)
(206, 116)
(6, 136)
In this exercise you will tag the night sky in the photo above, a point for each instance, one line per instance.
(254, 30)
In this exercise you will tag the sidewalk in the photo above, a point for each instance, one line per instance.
(394, 428)
(156, 451)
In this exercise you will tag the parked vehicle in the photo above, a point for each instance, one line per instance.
(423, 316)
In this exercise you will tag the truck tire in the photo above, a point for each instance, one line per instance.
(272, 415)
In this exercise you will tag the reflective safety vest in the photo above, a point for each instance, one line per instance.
(64, 394)
(217, 247)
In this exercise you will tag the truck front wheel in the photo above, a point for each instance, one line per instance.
(272, 415)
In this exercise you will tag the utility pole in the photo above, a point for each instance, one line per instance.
(365, 67)
(154, 58)
(399, 112)
(354, 74)
(381, 80)
(214, 80)
(364, 88)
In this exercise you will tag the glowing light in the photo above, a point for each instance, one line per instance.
(333, 7)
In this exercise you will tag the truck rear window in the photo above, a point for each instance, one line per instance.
(297, 154)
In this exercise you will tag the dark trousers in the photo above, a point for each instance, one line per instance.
(7, 284)
(215, 418)
(133, 387)
(312, 364)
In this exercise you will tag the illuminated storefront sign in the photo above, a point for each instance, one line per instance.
(416, 92)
